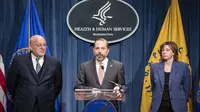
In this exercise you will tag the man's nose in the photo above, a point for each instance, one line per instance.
(100, 50)
(42, 47)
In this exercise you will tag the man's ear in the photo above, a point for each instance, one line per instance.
(108, 50)
(31, 47)
(92, 48)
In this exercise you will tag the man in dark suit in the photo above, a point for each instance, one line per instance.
(101, 72)
(35, 79)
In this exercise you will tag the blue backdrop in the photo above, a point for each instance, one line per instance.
(134, 52)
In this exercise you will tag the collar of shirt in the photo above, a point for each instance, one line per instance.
(104, 63)
(41, 60)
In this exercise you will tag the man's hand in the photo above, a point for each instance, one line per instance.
(116, 90)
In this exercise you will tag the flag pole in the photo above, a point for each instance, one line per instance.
(170, 22)
(29, 24)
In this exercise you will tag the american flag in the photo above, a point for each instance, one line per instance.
(2, 87)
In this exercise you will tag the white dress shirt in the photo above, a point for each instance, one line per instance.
(41, 60)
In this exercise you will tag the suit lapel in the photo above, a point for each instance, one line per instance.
(94, 71)
(161, 73)
(173, 72)
(45, 67)
(30, 65)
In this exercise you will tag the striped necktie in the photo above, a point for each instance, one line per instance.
(38, 66)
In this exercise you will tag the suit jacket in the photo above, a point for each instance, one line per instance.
(29, 89)
(88, 78)
(179, 85)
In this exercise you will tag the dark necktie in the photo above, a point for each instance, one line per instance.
(38, 66)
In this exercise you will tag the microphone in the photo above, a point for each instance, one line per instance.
(113, 83)
(119, 85)
(102, 67)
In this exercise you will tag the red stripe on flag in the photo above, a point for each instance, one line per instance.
(2, 87)
(2, 81)
(1, 108)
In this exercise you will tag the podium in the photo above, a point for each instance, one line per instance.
(90, 94)
(99, 99)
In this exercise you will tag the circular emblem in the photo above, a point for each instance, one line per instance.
(114, 20)
(99, 105)
(198, 96)
(19, 52)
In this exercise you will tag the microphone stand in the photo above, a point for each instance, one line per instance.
(120, 86)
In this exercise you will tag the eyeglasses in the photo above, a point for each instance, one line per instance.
(41, 45)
